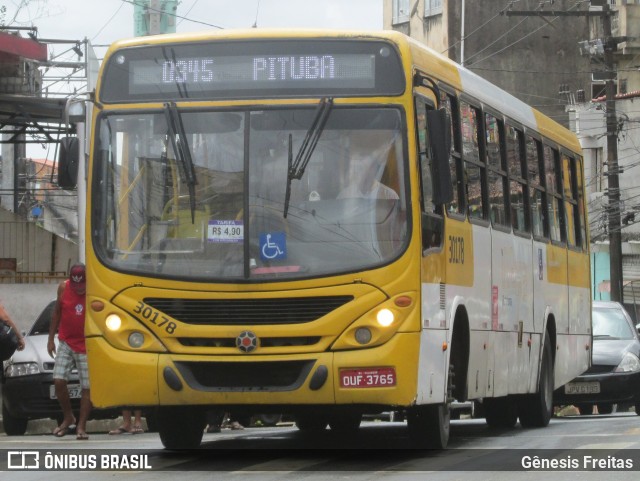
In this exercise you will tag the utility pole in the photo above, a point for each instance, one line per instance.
(613, 170)
(615, 237)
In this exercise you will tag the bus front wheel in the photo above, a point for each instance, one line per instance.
(429, 426)
(180, 427)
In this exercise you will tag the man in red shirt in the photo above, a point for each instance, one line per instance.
(68, 320)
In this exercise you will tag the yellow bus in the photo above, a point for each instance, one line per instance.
(327, 224)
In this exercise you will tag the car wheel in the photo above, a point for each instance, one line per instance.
(605, 408)
(13, 426)
(637, 407)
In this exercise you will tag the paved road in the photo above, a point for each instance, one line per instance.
(379, 450)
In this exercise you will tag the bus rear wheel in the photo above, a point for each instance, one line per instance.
(180, 427)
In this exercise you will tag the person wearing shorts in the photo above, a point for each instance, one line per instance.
(68, 321)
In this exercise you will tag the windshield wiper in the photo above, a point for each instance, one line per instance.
(297, 167)
(183, 154)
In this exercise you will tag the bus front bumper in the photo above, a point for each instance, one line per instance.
(121, 378)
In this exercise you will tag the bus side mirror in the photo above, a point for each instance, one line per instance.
(439, 127)
(68, 163)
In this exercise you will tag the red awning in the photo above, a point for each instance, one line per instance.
(22, 47)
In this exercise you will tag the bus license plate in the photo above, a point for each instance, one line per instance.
(592, 387)
(371, 377)
(75, 391)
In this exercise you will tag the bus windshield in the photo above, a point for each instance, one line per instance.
(200, 194)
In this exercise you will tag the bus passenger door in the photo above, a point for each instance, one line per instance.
(433, 361)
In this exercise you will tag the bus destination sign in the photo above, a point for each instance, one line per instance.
(251, 69)
(352, 70)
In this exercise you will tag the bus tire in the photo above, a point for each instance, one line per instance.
(429, 426)
(500, 412)
(180, 427)
(311, 422)
(536, 409)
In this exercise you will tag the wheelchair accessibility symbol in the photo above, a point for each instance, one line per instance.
(273, 245)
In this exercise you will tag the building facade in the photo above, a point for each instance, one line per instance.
(531, 56)
(554, 64)
(588, 120)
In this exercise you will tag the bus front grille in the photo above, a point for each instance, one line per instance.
(292, 310)
(245, 376)
(264, 341)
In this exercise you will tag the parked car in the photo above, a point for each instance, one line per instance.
(27, 382)
(614, 376)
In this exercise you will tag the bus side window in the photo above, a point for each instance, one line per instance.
(539, 225)
(552, 176)
(432, 221)
(580, 200)
(496, 173)
(518, 189)
(474, 168)
(572, 214)
(450, 104)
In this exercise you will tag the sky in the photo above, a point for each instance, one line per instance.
(105, 21)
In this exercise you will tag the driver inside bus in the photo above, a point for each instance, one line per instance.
(368, 154)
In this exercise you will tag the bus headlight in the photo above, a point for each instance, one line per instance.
(136, 339)
(385, 317)
(363, 335)
(379, 324)
(113, 322)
